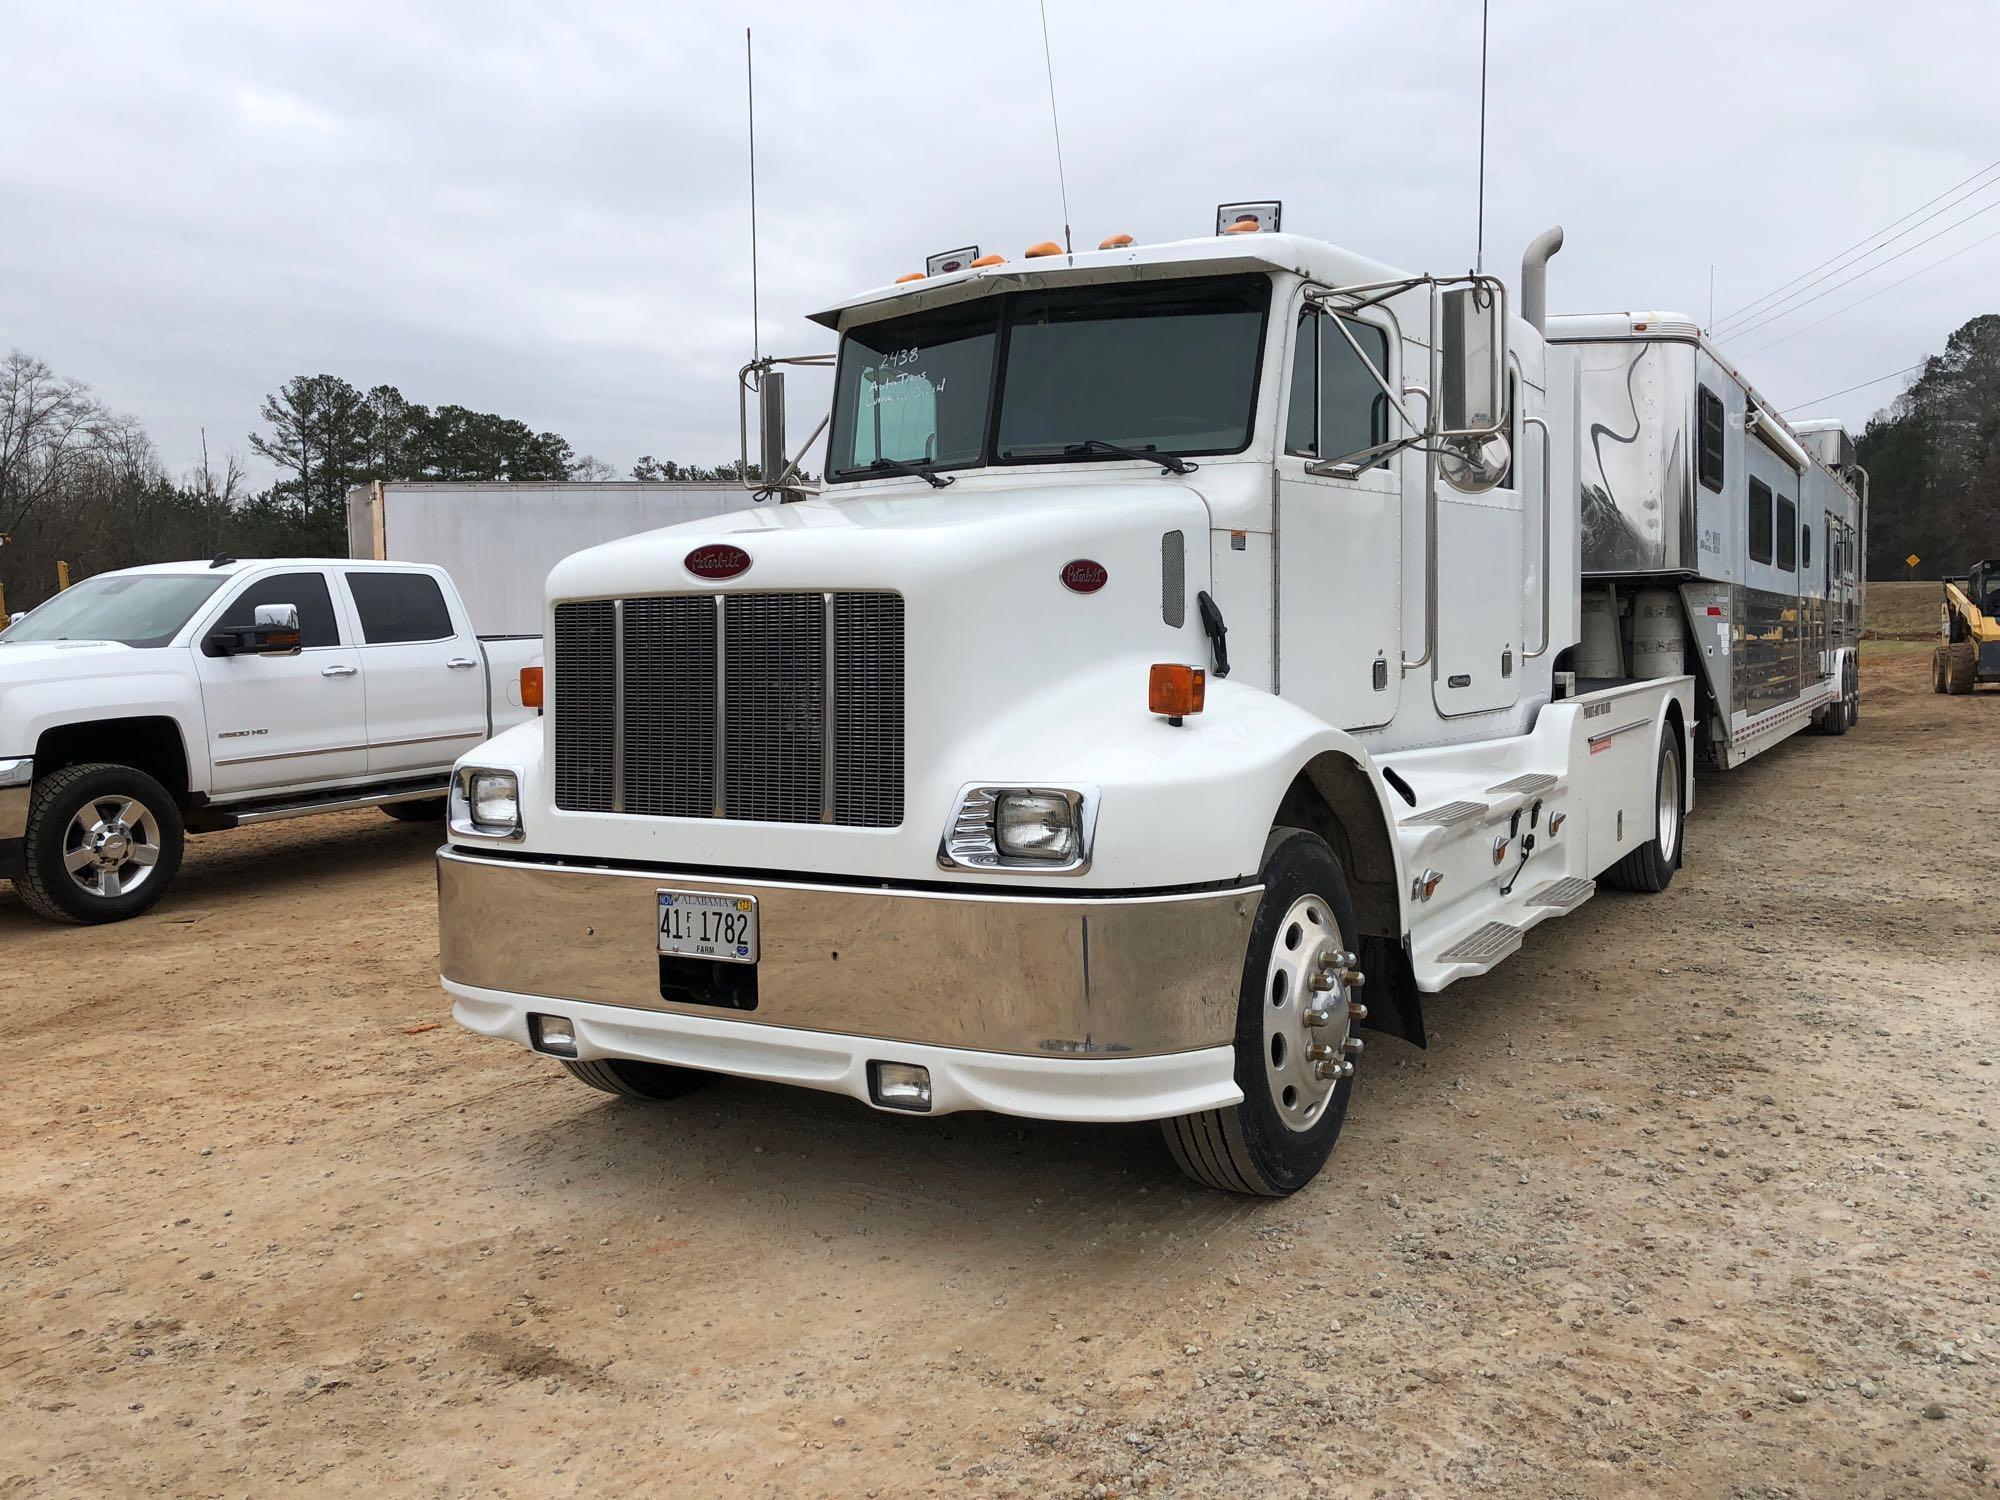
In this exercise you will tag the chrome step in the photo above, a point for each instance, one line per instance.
(1527, 786)
(1563, 895)
(1488, 945)
(273, 813)
(1445, 816)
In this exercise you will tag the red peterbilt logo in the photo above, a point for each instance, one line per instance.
(719, 561)
(1084, 576)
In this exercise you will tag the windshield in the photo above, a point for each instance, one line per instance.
(137, 609)
(1168, 365)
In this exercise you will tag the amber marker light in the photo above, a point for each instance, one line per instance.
(1114, 242)
(909, 276)
(1046, 247)
(1245, 225)
(1175, 691)
(531, 687)
(989, 260)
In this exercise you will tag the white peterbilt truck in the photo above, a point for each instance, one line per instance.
(1181, 638)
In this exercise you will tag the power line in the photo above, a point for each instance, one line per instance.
(1874, 294)
(1846, 261)
(1765, 322)
(1787, 286)
(1852, 388)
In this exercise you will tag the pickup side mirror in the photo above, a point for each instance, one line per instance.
(274, 633)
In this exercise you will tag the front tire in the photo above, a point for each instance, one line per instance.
(1294, 1041)
(638, 1080)
(1961, 667)
(103, 843)
(1940, 676)
(1649, 869)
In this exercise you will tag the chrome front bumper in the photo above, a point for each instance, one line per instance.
(16, 782)
(1050, 977)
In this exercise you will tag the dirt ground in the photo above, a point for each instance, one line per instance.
(1693, 1197)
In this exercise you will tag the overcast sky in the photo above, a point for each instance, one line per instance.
(544, 212)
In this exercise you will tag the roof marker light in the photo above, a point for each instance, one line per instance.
(989, 260)
(1246, 225)
(1046, 247)
(1114, 242)
(909, 276)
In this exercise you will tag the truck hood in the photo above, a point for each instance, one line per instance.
(903, 541)
(23, 662)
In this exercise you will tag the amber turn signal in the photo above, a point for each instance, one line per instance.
(1046, 247)
(989, 260)
(1175, 690)
(531, 687)
(1114, 242)
(909, 276)
(1246, 225)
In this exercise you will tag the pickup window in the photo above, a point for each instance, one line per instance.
(308, 591)
(397, 607)
(134, 609)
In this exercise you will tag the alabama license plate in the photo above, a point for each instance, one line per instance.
(705, 924)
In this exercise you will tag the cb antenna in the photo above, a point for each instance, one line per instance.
(1062, 183)
(1479, 251)
(750, 87)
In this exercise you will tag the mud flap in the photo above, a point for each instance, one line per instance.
(1395, 1008)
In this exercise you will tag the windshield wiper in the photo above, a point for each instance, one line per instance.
(1169, 463)
(922, 471)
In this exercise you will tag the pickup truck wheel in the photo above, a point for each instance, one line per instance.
(1294, 1043)
(639, 1080)
(1649, 869)
(423, 810)
(103, 843)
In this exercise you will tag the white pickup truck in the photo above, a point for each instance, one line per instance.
(145, 704)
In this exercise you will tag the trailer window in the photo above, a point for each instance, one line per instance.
(396, 607)
(1760, 521)
(307, 591)
(1713, 424)
(1805, 548)
(1788, 533)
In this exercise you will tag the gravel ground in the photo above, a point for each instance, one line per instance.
(1695, 1196)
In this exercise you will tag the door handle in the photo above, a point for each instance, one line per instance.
(338, 671)
(461, 663)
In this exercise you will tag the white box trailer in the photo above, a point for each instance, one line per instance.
(499, 540)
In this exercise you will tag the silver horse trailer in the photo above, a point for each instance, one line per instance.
(1714, 530)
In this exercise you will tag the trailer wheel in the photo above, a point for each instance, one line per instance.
(423, 810)
(1650, 868)
(639, 1080)
(1940, 676)
(1294, 1039)
(1961, 667)
(103, 843)
(1838, 716)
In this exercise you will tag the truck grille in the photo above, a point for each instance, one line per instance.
(770, 708)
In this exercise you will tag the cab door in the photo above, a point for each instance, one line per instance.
(1340, 536)
(1479, 598)
(425, 673)
(277, 722)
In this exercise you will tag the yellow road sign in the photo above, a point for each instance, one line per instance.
(1913, 559)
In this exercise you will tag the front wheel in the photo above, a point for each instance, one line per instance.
(103, 843)
(1961, 667)
(1650, 868)
(1295, 1046)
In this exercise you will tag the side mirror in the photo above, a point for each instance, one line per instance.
(274, 633)
(772, 458)
(1472, 360)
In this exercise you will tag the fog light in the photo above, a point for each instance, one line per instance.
(900, 1086)
(555, 1035)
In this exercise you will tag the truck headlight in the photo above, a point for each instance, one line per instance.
(1020, 828)
(1038, 826)
(486, 802)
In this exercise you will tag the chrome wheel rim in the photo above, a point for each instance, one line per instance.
(1669, 834)
(112, 846)
(1306, 1015)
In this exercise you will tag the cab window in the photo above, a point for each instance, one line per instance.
(1337, 408)
(307, 591)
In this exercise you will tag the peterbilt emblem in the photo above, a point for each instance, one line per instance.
(1084, 576)
(719, 561)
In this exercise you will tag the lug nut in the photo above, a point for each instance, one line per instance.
(1356, 1011)
(1319, 1051)
(1351, 1044)
(1319, 1015)
(1353, 978)
(1322, 980)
